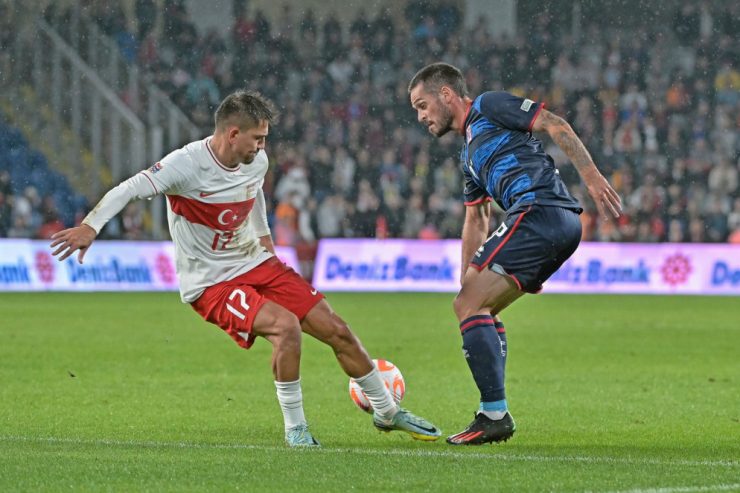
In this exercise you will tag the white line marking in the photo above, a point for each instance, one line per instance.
(685, 489)
(383, 452)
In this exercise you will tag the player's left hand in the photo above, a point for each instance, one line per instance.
(73, 239)
(606, 198)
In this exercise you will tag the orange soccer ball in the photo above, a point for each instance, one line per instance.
(392, 378)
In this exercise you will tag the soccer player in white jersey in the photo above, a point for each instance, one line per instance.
(226, 260)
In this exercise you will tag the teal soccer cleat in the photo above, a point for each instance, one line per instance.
(299, 436)
(418, 428)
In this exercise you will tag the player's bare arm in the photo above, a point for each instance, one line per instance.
(475, 230)
(606, 198)
(266, 241)
(70, 240)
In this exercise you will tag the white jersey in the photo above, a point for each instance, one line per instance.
(216, 214)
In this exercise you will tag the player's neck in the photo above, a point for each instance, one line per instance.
(461, 108)
(222, 152)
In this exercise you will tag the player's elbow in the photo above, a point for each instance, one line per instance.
(559, 126)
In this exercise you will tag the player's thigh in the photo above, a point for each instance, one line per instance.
(323, 323)
(233, 306)
(529, 246)
(485, 292)
(288, 289)
(276, 324)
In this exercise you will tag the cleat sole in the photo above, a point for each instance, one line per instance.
(423, 438)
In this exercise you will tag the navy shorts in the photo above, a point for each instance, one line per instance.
(530, 246)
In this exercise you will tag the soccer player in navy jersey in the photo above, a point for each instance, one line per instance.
(503, 162)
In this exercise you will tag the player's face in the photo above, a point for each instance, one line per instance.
(248, 142)
(431, 111)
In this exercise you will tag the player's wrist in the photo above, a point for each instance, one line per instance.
(91, 229)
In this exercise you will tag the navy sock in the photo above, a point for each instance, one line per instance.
(482, 349)
(501, 331)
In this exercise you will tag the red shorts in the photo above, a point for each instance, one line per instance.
(233, 304)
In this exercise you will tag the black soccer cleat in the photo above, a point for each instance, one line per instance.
(485, 430)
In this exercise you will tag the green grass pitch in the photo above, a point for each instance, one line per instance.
(133, 392)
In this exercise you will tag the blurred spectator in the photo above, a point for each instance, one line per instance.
(133, 221)
(285, 227)
(330, 217)
(733, 222)
(364, 220)
(5, 213)
(7, 32)
(146, 17)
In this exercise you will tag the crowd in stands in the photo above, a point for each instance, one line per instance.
(656, 105)
(35, 200)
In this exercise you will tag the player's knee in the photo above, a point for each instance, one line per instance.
(287, 330)
(341, 336)
(465, 308)
(460, 306)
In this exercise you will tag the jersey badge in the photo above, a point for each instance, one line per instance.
(526, 104)
(155, 168)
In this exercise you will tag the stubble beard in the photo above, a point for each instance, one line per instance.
(445, 123)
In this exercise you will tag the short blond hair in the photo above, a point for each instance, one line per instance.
(245, 109)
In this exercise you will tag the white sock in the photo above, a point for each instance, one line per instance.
(494, 415)
(378, 395)
(290, 398)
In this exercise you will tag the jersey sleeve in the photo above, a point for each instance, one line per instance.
(507, 110)
(472, 193)
(259, 214)
(174, 174)
(113, 202)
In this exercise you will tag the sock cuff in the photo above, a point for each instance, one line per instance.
(476, 321)
(494, 406)
(361, 380)
(287, 385)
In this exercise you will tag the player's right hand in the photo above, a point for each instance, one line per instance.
(606, 198)
(70, 240)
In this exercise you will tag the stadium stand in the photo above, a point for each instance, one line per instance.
(658, 110)
(35, 201)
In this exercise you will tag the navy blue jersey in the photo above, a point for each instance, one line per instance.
(502, 160)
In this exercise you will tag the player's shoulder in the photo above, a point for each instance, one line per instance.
(188, 155)
(493, 97)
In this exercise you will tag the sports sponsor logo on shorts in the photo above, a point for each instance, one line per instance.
(155, 168)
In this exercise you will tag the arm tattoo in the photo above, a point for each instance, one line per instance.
(564, 136)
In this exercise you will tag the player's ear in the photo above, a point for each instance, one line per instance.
(233, 133)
